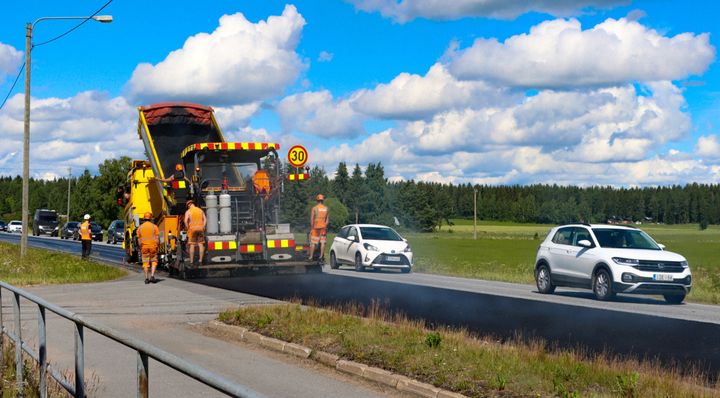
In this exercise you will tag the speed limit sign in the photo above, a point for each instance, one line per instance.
(297, 156)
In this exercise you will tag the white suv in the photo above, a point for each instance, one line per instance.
(610, 259)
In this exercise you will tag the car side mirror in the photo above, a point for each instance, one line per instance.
(585, 243)
(661, 246)
(352, 238)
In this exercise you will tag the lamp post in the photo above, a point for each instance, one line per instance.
(26, 135)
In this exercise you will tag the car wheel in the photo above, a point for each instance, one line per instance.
(674, 298)
(602, 285)
(543, 280)
(358, 263)
(333, 261)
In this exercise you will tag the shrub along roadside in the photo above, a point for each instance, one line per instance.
(457, 361)
(50, 267)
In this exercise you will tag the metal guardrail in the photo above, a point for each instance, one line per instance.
(144, 351)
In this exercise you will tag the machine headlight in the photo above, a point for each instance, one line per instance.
(625, 261)
(370, 247)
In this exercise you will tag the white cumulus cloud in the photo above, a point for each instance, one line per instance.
(238, 63)
(406, 10)
(708, 147)
(410, 96)
(317, 113)
(559, 53)
(10, 60)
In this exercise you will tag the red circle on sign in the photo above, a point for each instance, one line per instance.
(297, 156)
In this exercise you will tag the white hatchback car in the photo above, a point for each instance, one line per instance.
(370, 246)
(610, 259)
(14, 226)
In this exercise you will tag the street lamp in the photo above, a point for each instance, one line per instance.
(26, 136)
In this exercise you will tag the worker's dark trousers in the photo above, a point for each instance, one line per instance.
(86, 247)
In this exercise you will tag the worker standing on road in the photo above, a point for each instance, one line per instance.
(195, 221)
(86, 236)
(319, 217)
(148, 236)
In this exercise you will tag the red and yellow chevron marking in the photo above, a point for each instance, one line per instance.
(231, 146)
(250, 248)
(179, 184)
(280, 243)
(298, 177)
(227, 245)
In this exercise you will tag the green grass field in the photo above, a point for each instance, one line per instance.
(506, 251)
(42, 267)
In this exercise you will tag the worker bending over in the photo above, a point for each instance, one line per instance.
(195, 221)
(148, 236)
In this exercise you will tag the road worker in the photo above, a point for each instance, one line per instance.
(319, 218)
(148, 236)
(195, 221)
(85, 236)
(261, 183)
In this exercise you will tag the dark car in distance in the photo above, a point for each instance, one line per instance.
(116, 231)
(3, 226)
(45, 222)
(68, 230)
(95, 230)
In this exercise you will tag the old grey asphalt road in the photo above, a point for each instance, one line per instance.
(169, 314)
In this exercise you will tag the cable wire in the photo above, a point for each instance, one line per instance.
(73, 28)
(13, 85)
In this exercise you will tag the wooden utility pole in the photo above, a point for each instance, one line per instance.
(475, 213)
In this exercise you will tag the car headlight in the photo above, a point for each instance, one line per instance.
(407, 249)
(684, 264)
(626, 261)
(370, 247)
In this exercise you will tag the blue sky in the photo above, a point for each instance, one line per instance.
(500, 92)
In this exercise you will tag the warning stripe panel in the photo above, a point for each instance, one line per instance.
(280, 243)
(298, 177)
(231, 146)
(226, 245)
(250, 248)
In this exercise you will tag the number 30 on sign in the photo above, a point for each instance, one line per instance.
(297, 156)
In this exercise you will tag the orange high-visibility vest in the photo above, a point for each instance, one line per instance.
(321, 216)
(85, 232)
(261, 181)
(196, 219)
(148, 234)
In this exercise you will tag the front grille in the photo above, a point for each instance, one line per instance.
(386, 259)
(657, 288)
(660, 266)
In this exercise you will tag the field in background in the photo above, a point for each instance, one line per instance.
(505, 251)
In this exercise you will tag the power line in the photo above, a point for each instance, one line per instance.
(46, 42)
(73, 28)
(22, 67)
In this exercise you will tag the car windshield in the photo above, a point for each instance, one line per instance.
(119, 225)
(72, 224)
(47, 217)
(94, 227)
(379, 233)
(15, 223)
(624, 239)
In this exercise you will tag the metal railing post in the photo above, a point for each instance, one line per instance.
(79, 361)
(142, 370)
(18, 346)
(2, 333)
(42, 351)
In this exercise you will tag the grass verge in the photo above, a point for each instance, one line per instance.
(457, 361)
(50, 267)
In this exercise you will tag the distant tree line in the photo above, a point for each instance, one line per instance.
(368, 197)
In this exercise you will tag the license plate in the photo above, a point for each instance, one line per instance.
(663, 277)
(392, 258)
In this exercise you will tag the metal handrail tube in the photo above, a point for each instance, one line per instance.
(54, 373)
(189, 369)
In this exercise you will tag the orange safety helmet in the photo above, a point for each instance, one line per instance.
(178, 167)
(147, 215)
(320, 197)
